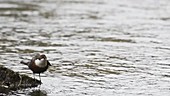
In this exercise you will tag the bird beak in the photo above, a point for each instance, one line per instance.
(48, 63)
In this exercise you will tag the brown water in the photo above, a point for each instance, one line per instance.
(96, 47)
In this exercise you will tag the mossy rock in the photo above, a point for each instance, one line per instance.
(10, 80)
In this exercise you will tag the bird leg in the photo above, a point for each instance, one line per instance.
(39, 77)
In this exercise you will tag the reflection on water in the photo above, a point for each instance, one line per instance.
(96, 47)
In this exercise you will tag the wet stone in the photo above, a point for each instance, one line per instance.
(10, 81)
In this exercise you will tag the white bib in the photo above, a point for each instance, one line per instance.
(41, 63)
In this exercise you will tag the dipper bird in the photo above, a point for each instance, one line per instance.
(38, 64)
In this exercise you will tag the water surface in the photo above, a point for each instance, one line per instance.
(96, 47)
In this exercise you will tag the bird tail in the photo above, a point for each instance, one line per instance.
(25, 63)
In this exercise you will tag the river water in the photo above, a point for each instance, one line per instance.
(96, 47)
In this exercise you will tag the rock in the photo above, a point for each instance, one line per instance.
(10, 80)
